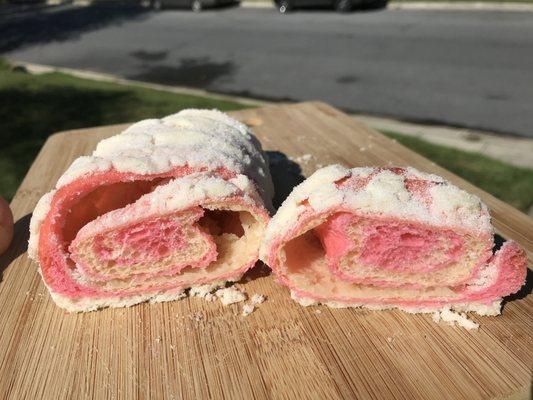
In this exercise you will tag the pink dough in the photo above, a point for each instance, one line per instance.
(391, 244)
(150, 241)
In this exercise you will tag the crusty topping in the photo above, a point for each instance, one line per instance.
(194, 138)
(382, 191)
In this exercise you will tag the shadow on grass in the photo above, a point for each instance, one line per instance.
(28, 117)
(44, 25)
(34, 107)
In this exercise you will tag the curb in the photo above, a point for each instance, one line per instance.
(512, 150)
(460, 6)
(38, 69)
(393, 5)
(424, 5)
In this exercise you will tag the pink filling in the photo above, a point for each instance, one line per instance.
(509, 263)
(150, 241)
(393, 244)
(90, 196)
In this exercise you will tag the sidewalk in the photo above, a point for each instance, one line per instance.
(512, 150)
(425, 5)
(393, 5)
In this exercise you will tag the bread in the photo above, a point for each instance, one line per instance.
(385, 238)
(162, 207)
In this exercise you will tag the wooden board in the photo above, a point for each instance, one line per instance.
(193, 349)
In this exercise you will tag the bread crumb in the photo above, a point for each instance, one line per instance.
(453, 318)
(302, 159)
(203, 290)
(230, 295)
(318, 312)
(247, 309)
(197, 316)
(258, 299)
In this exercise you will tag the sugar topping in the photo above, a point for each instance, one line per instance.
(383, 191)
(194, 138)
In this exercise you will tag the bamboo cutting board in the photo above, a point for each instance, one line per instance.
(193, 349)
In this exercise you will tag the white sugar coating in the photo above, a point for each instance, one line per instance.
(230, 295)
(385, 194)
(447, 315)
(194, 138)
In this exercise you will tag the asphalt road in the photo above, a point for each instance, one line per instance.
(464, 68)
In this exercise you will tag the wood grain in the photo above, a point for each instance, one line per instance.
(281, 351)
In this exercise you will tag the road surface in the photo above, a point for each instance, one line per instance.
(463, 68)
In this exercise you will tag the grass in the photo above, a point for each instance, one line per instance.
(514, 185)
(32, 107)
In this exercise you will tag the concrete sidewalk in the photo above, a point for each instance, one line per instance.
(393, 5)
(512, 150)
(425, 5)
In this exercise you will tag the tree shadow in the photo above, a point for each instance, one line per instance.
(46, 110)
(149, 56)
(19, 244)
(63, 23)
(192, 72)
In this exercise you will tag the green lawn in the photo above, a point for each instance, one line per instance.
(32, 107)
